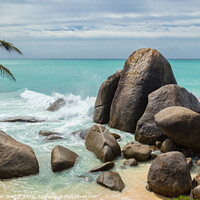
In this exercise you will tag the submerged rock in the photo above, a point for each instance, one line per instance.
(53, 137)
(104, 167)
(169, 175)
(169, 95)
(104, 98)
(48, 133)
(102, 143)
(22, 119)
(111, 180)
(144, 71)
(56, 105)
(81, 133)
(138, 151)
(62, 158)
(16, 158)
(131, 162)
(181, 125)
(86, 177)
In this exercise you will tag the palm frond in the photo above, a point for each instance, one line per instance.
(9, 47)
(5, 72)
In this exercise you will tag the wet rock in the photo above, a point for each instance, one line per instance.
(169, 175)
(181, 125)
(62, 158)
(86, 177)
(53, 137)
(48, 133)
(56, 105)
(131, 162)
(111, 180)
(169, 95)
(104, 167)
(22, 119)
(16, 158)
(198, 162)
(168, 145)
(153, 156)
(81, 133)
(100, 141)
(116, 136)
(104, 99)
(196, 193)
(144, 71)
(138, 151)
(189, 162)
(196, 180)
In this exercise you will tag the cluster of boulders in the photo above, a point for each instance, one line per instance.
(144, 98)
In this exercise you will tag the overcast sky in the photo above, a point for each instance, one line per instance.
(100, 28)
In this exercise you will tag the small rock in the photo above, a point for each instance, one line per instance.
(153, 156)
(111, 180)
(48, 133)
(138, 151)
(168, 145)
(116, 136)
(22, 119)
(189, 162)
(81, 133)
(86, 177)
(104, 167)
(158, 144)
(56, 105)
(62, 158)
(196, 193)
(131, 162)
(198, 162)
(53, 137)
(196, 180)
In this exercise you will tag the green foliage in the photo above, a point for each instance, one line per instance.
(5, 72)
(182, 197)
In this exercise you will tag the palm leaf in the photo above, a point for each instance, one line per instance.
(5, 72)
(9, 47)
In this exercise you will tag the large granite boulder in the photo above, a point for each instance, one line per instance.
(104, 98)
(181, 125)
(102, 143)
(16, 159)
(56, 105)
(169, 95)
(111, 180)
(144, 71)
(138, 151)
(62, 158)
(169, 175)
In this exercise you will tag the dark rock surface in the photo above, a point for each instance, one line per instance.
(111, 180)
(169, 95)
(56, 105)
(62, 158)
(53, 137)
(181, 125)
(138, 151)
(103, 167)
(144, 71)
(104, 99)
(169, 175)
(16, 159)
(116, 136)
(102, 143)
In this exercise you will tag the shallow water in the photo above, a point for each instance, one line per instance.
(41, 82)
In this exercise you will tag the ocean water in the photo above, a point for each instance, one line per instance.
(41, 82)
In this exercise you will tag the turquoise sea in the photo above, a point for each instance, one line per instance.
(41, 82)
